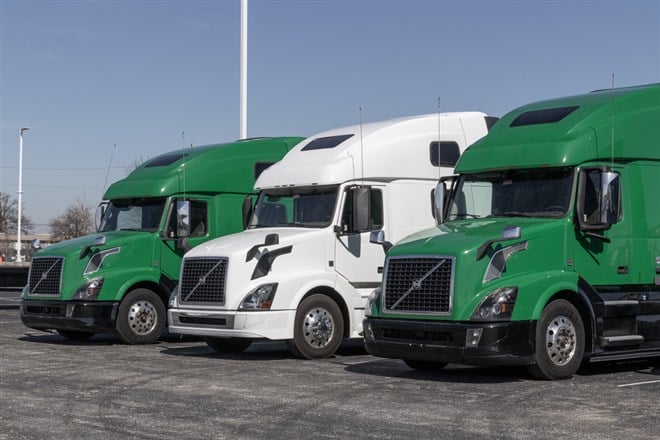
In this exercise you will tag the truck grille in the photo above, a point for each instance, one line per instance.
(45, 276)
(422, 285)
(203, 280)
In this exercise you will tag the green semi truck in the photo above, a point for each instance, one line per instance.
(548, 249)
(119, 280)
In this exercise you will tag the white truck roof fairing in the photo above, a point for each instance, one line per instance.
(396, 148)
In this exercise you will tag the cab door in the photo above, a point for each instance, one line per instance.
(186, 226)
(603, 255)
(356, 259)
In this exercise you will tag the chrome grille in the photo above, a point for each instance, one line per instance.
(203, 280)
(419, 285)
(45, 276)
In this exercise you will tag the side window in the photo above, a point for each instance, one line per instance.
(375, 212)
(445, 154)
(198, 220)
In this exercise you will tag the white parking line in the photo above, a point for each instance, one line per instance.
(638, 383)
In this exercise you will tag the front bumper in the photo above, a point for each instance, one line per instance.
(502, 343)
(274, 324)
(96, 317)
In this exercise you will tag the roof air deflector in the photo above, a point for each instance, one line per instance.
(326, 142)
(162, 161)
(545, 116)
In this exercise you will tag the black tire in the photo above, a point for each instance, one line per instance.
(141, 317)
(559, 342)
(318, 328)
(75, 335)
(425, 365)
(228, 345)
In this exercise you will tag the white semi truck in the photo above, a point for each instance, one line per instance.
(304, 267)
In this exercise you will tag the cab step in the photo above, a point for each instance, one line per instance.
(621, 341)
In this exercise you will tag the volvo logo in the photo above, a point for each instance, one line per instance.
(417, 284)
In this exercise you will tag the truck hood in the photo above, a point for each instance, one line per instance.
(466, 236)
(298, 250)
(72, 248)
(237, 245)
(541, 242)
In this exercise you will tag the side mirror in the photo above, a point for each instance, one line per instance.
(361, 207)
(98, 215)
(182, 218)
(247, 211)
(36, 244)
(598, 199)
(378, 237)
(439, 202)
(609, 189)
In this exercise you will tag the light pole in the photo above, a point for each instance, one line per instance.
(243, 69)
(19, 258)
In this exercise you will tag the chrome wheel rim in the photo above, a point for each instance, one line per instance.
(142, 317)
(560, 340)
(318, 327)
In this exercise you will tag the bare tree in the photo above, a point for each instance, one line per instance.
(8, 223)
(77, 220)
(9, 216)
(134, 164)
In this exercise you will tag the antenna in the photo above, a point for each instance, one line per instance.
(183, 139)
(107, 173)
(361, 148)
(612, 98)
(439, 137)
(183, 167)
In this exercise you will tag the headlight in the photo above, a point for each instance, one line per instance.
(260, 298)
(90, 290)
(371, 301)
(498, 305)
(173, 295)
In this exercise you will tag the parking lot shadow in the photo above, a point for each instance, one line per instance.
(393, 368)
(56, 339)
(264, 351)
(98, 339)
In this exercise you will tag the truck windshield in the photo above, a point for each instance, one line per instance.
(544, 193)
(307, 207)
(132, 215)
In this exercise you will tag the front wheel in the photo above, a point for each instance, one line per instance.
(318, 328)
(559, 342)
(141, 317)
(228, 345)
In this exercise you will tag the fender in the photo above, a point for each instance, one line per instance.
(128, 279)
(536, 289)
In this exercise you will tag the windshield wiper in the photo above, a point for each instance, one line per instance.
(511, 214)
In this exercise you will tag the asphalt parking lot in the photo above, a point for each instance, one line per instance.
(53, 388)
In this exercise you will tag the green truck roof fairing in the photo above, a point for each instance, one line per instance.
(222, 167)
(583, 132)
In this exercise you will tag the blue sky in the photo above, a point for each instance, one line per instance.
(152, 76)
